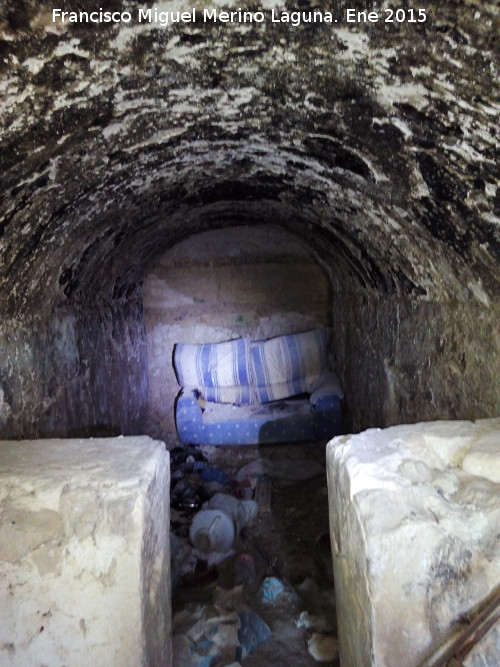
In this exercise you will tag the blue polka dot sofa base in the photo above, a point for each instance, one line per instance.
(243, 392)
(323, 421)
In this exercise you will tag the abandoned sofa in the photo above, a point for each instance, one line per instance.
(241, 392)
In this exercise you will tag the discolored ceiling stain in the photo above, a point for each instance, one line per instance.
(375, 144)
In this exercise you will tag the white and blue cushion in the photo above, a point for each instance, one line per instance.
(288, 365)
(219, 371)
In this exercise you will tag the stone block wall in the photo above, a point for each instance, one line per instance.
(401, 359)
(93, 371)
(221, 285)
(414, 514)
(85, 553)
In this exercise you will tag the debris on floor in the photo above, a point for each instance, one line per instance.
(209, 634)
(252, 578)
(271, 589)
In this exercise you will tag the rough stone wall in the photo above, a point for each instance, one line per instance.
(248, 281)
(404, 360)
(79, 373)
(375, 144)
(414, 513)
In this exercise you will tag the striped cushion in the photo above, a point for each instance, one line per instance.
(219, 371)
(288, 365)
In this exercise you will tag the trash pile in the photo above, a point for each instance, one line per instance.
(226, 588)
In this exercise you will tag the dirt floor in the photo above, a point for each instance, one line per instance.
(288, 541)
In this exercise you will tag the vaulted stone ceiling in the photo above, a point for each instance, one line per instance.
(375, 143)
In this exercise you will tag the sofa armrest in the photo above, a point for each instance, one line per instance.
(325, 386)
(187, 407)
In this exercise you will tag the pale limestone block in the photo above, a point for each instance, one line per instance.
(414, 536)
(84, 553)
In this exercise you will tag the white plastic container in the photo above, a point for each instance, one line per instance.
(216, 526)
(212, 530)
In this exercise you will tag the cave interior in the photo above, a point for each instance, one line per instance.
(199, 182)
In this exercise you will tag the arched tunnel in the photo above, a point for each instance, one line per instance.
(373, 144)
(178, 175)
